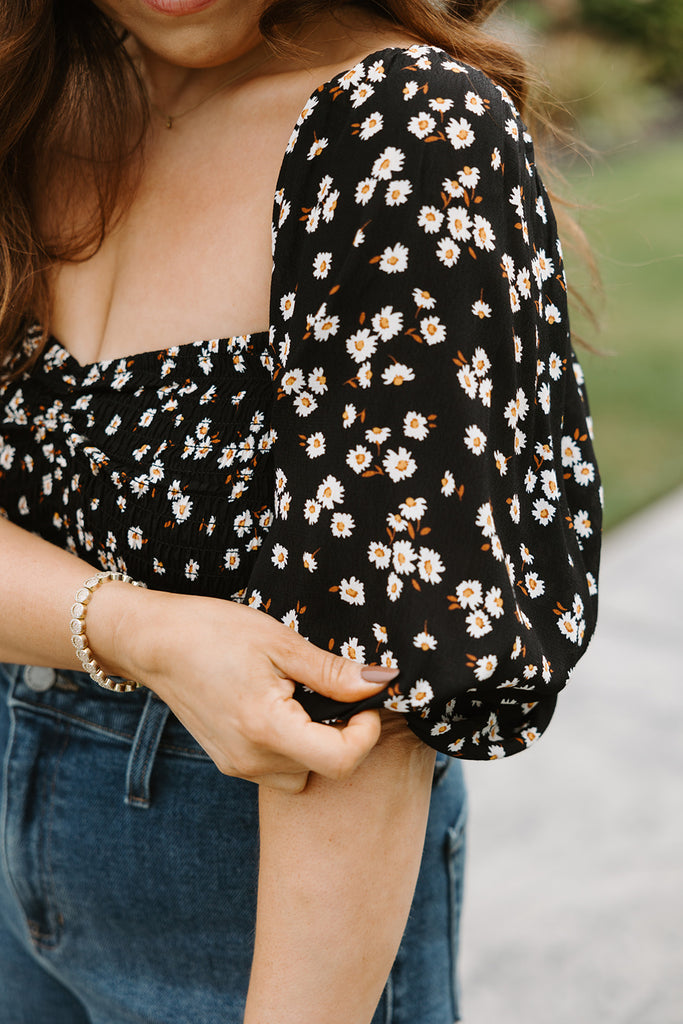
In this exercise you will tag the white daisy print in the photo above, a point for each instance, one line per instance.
(388, 163)
(342, 524)
(475, 440)
(322, 264)
(430, 219)
(379, 555)
(365, 190)
(469, 593)
(388, 323)
(359, 458)
(394, 259)
(415, 425)
(399, 465)
(459, 132)
(397, 193)
(422, 125)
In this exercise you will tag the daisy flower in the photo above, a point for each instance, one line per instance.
(361, 345)
(342, 524)
(365, 190)
(397, 193)
(483, 235)
(231, 559)
(493, 602)
(399, 464)
(475, 440)
(448, 252)
(413, 508)
(388, 163)
(459, 132)
(352, 650)
(469, 594)
(372, 124)
(322, 265)
(423, 299)
(430, 566)
(379, 554)
(415, 426)
(459, 224)
(425, 641)
(432, 330)
(404, 557)
(420, 694)
(397, 374)
(387, 323)
(394, 259)
(422, 125)
(430, 219)
(352, 591)
(330, 492)
(542, 512)
(359, 458)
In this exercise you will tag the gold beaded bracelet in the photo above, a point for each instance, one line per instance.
(78, 635)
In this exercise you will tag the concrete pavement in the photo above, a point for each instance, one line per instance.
(574, 896)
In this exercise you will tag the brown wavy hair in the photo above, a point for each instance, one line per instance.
(63, 62)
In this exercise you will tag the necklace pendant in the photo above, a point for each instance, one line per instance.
(169, 121)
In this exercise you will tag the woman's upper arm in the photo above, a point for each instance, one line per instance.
(436, 494)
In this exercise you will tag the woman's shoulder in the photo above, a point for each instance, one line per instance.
(417, 105)
(421, 89)
(411, 115)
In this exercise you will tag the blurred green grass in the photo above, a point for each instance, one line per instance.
(633, 215)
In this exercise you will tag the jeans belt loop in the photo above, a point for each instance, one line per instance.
(143, 751)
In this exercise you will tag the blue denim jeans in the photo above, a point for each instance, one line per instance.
(129, 869)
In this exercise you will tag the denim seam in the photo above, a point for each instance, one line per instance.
(5, 811)
(137, 743)
(456, 851)
(150, 728)
(50, 940)
(50, 712)
(87, 723)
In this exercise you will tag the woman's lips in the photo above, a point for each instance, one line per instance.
(177, 8)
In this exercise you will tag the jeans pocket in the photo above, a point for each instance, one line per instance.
(456, 884)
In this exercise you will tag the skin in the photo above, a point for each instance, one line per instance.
(332, 801)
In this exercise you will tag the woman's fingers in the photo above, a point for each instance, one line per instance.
(330, 675)
(292, 783)
(332, 751)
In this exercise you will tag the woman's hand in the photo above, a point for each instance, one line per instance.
(227, 671)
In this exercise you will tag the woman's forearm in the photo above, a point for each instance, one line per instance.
(339, 863)
(226, 670)
(38, 581)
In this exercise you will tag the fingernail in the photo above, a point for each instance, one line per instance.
(378, 674)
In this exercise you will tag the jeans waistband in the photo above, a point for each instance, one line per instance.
(140, 720)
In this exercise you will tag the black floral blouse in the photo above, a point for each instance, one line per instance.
(402, 469)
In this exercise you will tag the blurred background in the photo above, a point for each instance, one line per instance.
(611, 72)
(574, 890)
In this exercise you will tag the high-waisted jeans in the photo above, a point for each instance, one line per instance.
(128, 869)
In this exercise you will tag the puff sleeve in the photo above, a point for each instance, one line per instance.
(436, 495)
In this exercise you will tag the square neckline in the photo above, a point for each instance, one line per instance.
(101, 364)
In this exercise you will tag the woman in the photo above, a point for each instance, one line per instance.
(384, 493)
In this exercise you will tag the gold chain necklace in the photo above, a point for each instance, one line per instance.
(170, 119)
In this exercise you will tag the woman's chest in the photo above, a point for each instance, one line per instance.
(191, 258)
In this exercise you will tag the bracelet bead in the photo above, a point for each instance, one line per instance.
(79, 637)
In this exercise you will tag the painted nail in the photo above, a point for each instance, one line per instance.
(378, 674)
